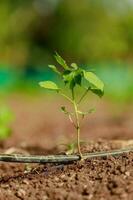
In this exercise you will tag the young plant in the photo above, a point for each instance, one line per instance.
(74, 76)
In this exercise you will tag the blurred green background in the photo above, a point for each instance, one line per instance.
(95, 34)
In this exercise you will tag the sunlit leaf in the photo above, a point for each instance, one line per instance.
(53, 67)
(94, 80)
(49, 85)
(61, 61)
(74, 65)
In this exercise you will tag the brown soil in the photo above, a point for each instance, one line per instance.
(38, 131)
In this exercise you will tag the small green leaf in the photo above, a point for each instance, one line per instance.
(74, 65)
(67, 76)
(94, 80)
(53, 67)
(72, 77)
(64, 110)
(97, 92)
(49, 85)
(71, 148)
(61, 61)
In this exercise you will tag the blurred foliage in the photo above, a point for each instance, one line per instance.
(90, 30)
(93, 32)
(117, 76)
(6, 117)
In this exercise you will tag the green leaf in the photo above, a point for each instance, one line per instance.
(61, 61)
(94, 80)
(74, 65)
(77, 79)
(49, 85)
(64, 110)
(70, 148)
(53, 67)
(72, 77)
(67, 76)
(97, 92)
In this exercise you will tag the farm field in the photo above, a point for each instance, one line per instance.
(39, 128)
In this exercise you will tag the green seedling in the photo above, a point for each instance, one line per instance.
(71, 147)
(6, 117)
(73, 76)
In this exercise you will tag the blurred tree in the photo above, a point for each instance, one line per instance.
(88, 30)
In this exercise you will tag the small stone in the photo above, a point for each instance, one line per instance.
(63, 176)
(90, 196)
(21, 193)
(127, 173)
(56, 179)
(25, 182)
(5, 186)
(45, 197)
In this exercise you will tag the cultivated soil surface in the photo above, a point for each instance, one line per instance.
(39, 128)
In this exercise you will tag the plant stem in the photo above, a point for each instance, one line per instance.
(71, 120)
(84, 94)
(77, 123)
(68, 98)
